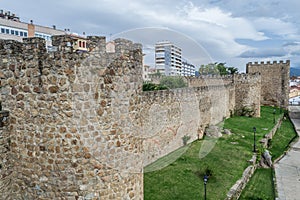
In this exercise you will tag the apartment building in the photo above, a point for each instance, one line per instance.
(187, 69)
(169, 60)
(11, 27)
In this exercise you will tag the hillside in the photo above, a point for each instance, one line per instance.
(294, 71)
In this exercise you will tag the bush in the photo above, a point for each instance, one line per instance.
(185, 139)
(173, 82)
(151, 86)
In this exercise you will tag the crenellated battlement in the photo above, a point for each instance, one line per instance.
(64, 44)
(243, 77)
(268, 63)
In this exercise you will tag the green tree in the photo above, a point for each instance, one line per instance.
(217, 68)
(232, 70)
(173, 82)
(208, 69)
(221, 68)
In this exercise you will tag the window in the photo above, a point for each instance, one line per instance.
(83, 44)
(16, 32)
(21, 33)
(25, 34)
(2, 30)
(7, 31)
(79, 43)
(12, 32)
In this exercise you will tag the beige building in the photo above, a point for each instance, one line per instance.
(12, 28)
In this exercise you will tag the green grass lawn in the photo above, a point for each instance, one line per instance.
(261, 184)
(260, 187)
(284, 136)
(183, 179)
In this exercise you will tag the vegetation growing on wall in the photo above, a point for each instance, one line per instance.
(173, 82)
(167, 82)
(217, 69)
(151, 86)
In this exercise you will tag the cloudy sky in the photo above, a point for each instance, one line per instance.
(231, 31)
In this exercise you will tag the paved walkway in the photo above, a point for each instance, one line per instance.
(287, 170)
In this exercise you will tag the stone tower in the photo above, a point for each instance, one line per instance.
(274, 89)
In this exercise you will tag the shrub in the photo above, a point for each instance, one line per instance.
(151, 86)
(185, 139)
(173, 82)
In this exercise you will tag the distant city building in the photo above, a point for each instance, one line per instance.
(12, 28)
(146, 73)
(187, 69)
(168, 58)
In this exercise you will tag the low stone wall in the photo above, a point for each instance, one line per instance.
(270, 135)
(236, 190)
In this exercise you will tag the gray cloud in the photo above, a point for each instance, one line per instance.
(263, 53)
(215, 24)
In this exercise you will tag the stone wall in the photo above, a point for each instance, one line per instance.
(247, 94)
(168, 116)
(72, 120)
(81, 127)
(275, 81)
(209, 80)
(236, 190)
(6, 167)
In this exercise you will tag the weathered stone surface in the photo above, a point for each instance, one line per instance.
(273, 91)
(76, 112)
(227, 132)
(266, 160)
(53, 89)
(213, 131)
(236, 190)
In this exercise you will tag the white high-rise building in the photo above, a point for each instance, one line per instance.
(168, 58)
(187, 69)
(169, 61)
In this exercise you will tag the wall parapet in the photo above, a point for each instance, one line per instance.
(182, 92)
(268, 62)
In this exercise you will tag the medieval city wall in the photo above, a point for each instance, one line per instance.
(80, 126)
(168, 116)
(247, 94)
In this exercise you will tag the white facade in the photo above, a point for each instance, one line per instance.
(168, 58)
(169, 61)
(187, 69)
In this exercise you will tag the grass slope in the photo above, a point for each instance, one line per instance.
(183, 179)
(283, 137)
(260, 187)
